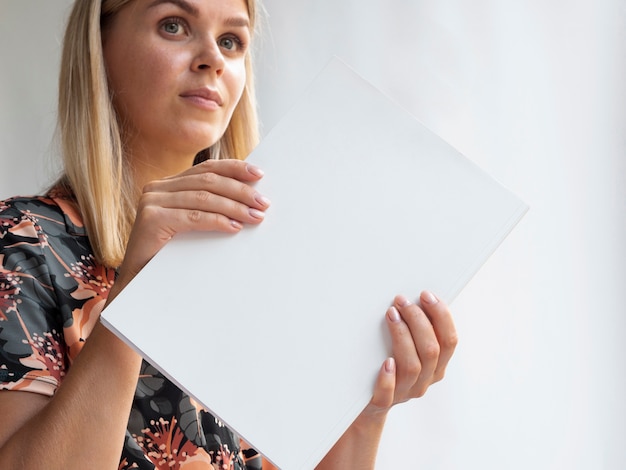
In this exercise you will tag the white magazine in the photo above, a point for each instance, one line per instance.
(287, 318)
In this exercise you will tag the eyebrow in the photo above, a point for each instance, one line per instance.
(182, 4)
(238, 22)
(235, 22)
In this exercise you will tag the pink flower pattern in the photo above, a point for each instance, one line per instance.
(52, 290)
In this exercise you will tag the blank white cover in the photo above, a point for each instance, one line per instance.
(287, 318)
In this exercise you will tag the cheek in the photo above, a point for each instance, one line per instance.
(139, 70)
(121, 66)
(236, 84)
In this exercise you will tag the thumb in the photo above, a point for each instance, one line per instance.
(385, 386)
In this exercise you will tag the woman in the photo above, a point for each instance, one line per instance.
(147, 89)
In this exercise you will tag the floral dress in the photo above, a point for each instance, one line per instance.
(51, 294)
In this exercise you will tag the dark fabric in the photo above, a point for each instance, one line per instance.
(51, 294)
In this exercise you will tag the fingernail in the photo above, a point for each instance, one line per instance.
(257, 214)
(236, 224)
(262, 200)
(255, 170)
(390, 365)
(393, 314)
(429, 297)
(402, 301)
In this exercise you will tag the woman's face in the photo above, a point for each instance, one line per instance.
(176, 69)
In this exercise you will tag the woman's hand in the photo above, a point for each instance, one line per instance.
(423, 341)
(212, 196)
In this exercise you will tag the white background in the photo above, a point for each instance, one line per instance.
(533, 92)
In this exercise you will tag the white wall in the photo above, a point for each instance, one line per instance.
(533, 92)
(30, 36)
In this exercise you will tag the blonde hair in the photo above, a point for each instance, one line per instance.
(95, 170)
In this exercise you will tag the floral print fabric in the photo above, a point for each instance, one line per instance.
(51, 294)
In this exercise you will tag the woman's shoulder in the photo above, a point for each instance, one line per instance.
(49, 213)
(26, 204)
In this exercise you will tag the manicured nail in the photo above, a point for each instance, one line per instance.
(390, 365)
(265, 202)
(429, 297)
(402, 301)
(393, 314)
(257, 214)
(236, 224)
(255, 170)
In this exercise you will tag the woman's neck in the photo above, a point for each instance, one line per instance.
(154, 165)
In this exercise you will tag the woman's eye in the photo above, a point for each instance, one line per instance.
(230, 43)
(173, 27)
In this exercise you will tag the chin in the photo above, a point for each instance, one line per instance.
(203, 142)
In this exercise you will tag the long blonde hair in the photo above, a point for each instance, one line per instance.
(95, 170)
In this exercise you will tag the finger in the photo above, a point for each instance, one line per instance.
(205, 184)
(236, 169)
(408, 366)
(384, 389)
(165, 222)
(194, 205)
(443, 325)
(425, 342)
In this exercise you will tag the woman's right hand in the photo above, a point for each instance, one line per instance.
(212, 196)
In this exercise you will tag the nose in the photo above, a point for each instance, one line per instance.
(208, 57)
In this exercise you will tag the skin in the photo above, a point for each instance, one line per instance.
(175, 53)
(177, 50)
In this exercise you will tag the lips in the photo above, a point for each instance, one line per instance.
(203, 95)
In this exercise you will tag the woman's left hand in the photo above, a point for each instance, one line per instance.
(423, 341)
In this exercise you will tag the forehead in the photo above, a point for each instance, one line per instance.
(194, 7)
(234, 12)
